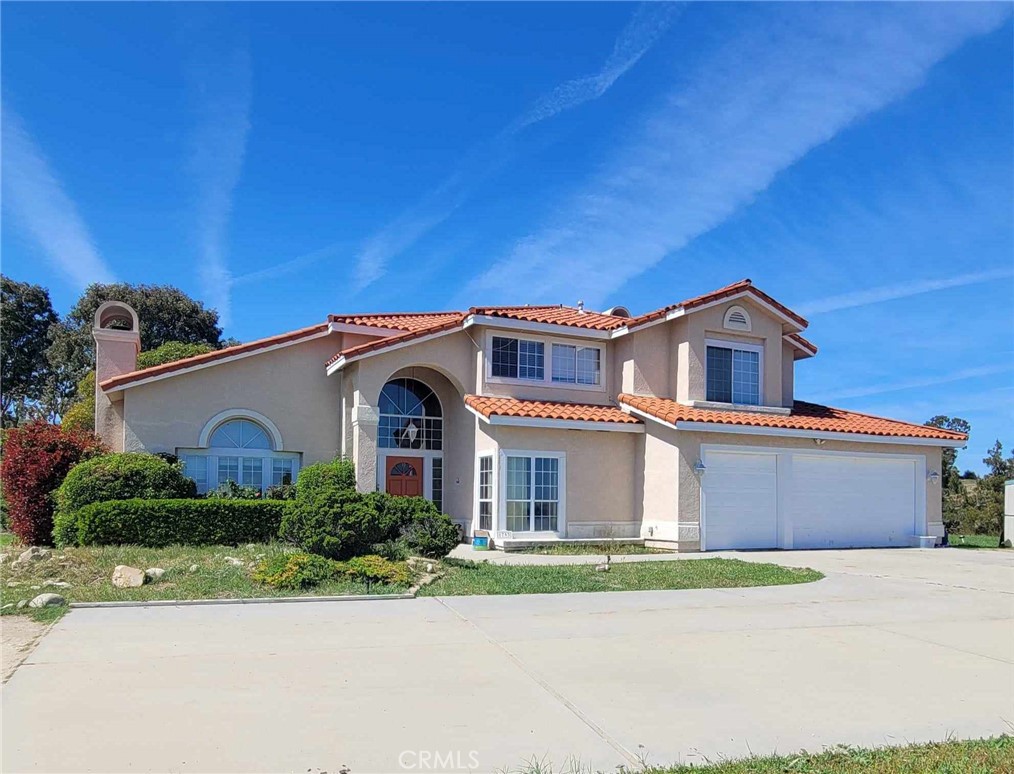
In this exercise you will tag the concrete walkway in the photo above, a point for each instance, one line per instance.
(892, 646)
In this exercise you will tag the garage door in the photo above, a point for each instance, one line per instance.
(843, 502)
(740, 500)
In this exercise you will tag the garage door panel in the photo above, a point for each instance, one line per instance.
(740, 494)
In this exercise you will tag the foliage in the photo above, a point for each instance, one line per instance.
(27, 314)
(165, 314)
(281, 492)
(295, 571)
(187, 522)
(990, 490)
(230, 490)
(170, 352)
(80, 415)
(123, 476)
(952, 490)
(340, 473)
(376, 569)
(428, 532)
(36, 458)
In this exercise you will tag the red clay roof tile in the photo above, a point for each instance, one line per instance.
(556, 315)
(491, 405)
(804, 416)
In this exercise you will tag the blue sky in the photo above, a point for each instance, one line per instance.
(283, 162)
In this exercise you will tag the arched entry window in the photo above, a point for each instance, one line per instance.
(242, 450)
(410, 417)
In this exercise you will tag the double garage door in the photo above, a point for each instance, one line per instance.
(793, 499)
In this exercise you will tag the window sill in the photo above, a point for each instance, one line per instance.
(715, 406)
(545, 384)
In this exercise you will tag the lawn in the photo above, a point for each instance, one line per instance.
(981, 756)
(6, 539)
(591, 549)
(464, 578)
(89, 571)
(974, 541)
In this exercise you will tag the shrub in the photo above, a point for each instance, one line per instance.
(170, 352)
(375, 569)
(230, 490)
(295, 571)
(36, 458)
(432, 534)
(334, 522)
(338, 473)
(281, 492)
(80, 415)
(122, 477)
(158, 523)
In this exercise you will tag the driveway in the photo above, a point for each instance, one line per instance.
(893, 646)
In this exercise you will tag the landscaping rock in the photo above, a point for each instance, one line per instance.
(194, 568)
(154, 574)
(47, 600)
(33, 554)
(602, 567)
(57, 583)
(234, 561)
(125, 577)
(8, 606)
(12, 584)
(22, 603)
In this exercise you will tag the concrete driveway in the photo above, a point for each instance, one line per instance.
(893, 646)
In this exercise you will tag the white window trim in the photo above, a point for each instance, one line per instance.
(240, 413)
(425, 458)
(212, 454)
(500, 514)
(547, 371)
(476, 524)
(743, 346)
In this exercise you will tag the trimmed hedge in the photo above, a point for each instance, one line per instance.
(158, 523)
(123, 476)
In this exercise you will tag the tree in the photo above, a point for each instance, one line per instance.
(170, 352)
(991, 487)
(165, 313)
(27, 314)
(954, 498)
(80, 415)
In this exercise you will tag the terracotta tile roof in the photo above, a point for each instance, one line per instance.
(401, 321)
(804, 416)
(717, 295)
(556, 315)
(211, 357)
(805, 343)
(442, 322)
(491, 405)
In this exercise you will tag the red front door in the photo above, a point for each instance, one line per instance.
(404, 476)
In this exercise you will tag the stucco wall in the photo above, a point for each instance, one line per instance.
(287, 385)
(660, 492)
(644, 361)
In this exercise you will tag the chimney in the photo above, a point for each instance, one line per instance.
(117, 342)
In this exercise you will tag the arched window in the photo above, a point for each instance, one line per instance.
(242, 450)
(410, 416)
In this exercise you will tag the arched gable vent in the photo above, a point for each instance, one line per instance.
(737, 319)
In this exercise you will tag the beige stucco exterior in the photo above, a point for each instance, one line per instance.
(637, 483)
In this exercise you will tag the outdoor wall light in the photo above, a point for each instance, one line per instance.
(700, 467)
(933, 476)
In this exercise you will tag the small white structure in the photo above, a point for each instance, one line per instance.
(1008, 510)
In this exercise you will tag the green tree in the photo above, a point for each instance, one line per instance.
(991, 488)
(170, 352)
(165, 313)
(955, 499)
(26, 314)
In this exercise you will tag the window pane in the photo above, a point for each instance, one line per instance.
(547, 493)
(564, 363)
(253, 472)
(195, 466)
(240, 434)
(719, 374)
(745, 377)
(486, 492)
(505, 357)
(518, 516)
(438, 483)
(531, 360)
(518, 492)
(588, 365)
(281, 472)
(228, 469)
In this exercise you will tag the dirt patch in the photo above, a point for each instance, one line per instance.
(18, 634)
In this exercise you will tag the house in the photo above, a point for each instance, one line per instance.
(531, 423)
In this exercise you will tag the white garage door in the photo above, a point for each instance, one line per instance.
(844, 502)
(740, 500)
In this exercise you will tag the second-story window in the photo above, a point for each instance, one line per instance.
(518, 359)
(733, 374)
(576, 365)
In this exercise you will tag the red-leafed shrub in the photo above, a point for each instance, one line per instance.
(36, 458)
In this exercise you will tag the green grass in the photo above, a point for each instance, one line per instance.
(89, 571)
(974, 541)
(980, 756)
(6, 539)
(464, 578)
(590, 549)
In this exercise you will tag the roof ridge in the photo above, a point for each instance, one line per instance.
(394, 314)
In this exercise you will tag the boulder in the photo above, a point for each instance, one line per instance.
(154, 574)
(22, 603)
(125, 577)
(33, 554)
(47, 600)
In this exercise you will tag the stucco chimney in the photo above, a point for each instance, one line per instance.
(117, 342)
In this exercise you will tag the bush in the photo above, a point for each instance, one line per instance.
(158, 523)
(170, 352)
(333, 522)
(281, 492)
(230, 490)
(338, 473)
(432, 534)
(122, 477)
(36, 458)
(295, 571)
(375, 569)
(80, 415)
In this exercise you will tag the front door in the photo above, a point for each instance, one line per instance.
(405, 476)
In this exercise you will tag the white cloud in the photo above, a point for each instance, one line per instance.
(797, 76)
(649, 23)
(902, 290)
(38, 201)
(911, 384)
(222, 90)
